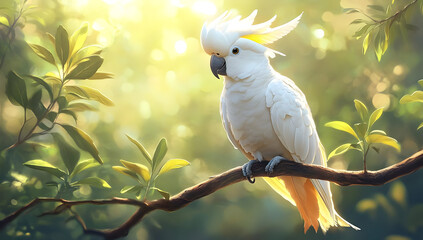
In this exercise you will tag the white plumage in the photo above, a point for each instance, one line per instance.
(265, 114)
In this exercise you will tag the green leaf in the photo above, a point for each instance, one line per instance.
(89, 93)
(340, 150)
(4, 21)
(165, 194)
(36, 105)
(420, 82)
(350, 10)
(377, 8)
(420, 126)
(358, 21)
(62, 103)
(101, 75)
(83, 141)
(125, 171)
(342, 126)
(46, 167)
(159, 153)
(361, 129)
(84, 53)
(173, 164)
(93, 181)
(62, 44)
(51, 116)
(16, 90)
(69, 154)
(96, 95)
(70, 113)
(130, 189)
(84, 165)
(78, 38)
(375, 116)
(43, 53)
(377, 138)
(86, 68)
(44, 84)
(51, 38)
(416, 96)
(362, 31)
(137, 168)
(80, 107)
(142, 149)
(361, 109)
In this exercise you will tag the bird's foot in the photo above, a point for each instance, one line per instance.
(246, 171)
(275, 161)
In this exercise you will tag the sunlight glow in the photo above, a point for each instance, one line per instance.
(180, 46)
(319, 33)
(204, 7)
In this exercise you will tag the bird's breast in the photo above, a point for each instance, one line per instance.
(249, 118)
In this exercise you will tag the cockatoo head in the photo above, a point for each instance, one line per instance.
(236, 44)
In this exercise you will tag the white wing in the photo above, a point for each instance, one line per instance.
(293, 124)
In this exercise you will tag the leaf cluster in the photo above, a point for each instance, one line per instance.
(378, 25)
(53, 96)
(147, 174)
(365, 137)
(416, 96)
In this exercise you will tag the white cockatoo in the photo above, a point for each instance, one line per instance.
(265, 115)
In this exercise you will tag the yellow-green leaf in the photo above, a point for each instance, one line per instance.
(142, 149)
(93, 181)
(84, 165)
(101, 75)
(160, 152)
(138, 168)
(125, 171)
(78, 38)
(416, 96)
(62, 44)
(173, 164)
(83, 141)
(80, 107)
(4, 21)
(366, 43)
(96, 95)
(420, 126)
(340, 150)
(342, 126)
(165, 194)
(43, 53)
(361, 109)
(377, 138)
(375, 116)
(86, 68)
(361, 129)
(129, 189)
(84, 53)
(420, 82)
(46, 167)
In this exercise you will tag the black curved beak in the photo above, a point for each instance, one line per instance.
(218, 66)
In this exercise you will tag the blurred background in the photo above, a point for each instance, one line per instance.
(163, 87)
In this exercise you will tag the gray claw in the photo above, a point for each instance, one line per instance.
(275, 161)
(246, 171)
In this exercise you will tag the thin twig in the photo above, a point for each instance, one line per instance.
(185, 197)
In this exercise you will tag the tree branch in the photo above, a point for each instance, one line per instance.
(185, 197)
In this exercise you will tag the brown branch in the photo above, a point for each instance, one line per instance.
(185, 197)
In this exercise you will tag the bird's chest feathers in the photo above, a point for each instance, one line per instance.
(248, 115)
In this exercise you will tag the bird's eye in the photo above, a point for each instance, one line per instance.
(217, 54)
(235, 50)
